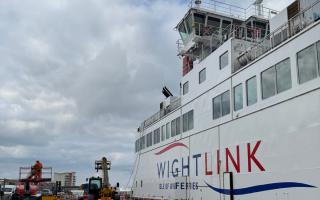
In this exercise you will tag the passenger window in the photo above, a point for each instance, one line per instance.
(221, 105)
(217, 107)
(202, 75)
(185, 88)
(178, 125)
(187, 119)
(163, 132)
(185, 122)
(142, 142)
(318, 49)
(238, 97)
(156, 136)
(268, 80)
(283, 70)
(223, 60)
(225, 101)
(307, 64)
(251, 91)
(276, 79)
(173, 128)
(190, 120)
(168, 130)
(149, 139)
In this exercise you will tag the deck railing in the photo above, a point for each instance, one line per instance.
(233, 10)
(294, 25)
(216, 37)
(174, 104)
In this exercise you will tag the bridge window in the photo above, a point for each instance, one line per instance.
(214, 25)
(251, 85)
(149, 139)
(199, 21)
(221, 105)
(225, 24)
(185, 88)
(189, 24)
(223, 60)
(276, 79)
(156, 136)
(238, 97)
(307, 64)
(168, 130)
(202, 75)
(183, 32)
(187, 119)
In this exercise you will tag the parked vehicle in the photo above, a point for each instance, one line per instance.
(8, 191)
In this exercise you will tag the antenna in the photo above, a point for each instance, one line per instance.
(258, 2)
(258, 5)
(197, 3)
(166, 92)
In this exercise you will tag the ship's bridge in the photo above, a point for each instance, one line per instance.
(208, 23)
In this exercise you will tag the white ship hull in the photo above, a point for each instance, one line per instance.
(287, 141)
(268, 150)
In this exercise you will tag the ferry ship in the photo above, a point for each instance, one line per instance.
(246, 124)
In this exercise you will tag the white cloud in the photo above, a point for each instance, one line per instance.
(78, 77)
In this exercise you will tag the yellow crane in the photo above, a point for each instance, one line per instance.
(100, 188)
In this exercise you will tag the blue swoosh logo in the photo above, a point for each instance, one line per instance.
(261, 188)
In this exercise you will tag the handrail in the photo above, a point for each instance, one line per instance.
(292, 27)
(233, 10)
(174, 104)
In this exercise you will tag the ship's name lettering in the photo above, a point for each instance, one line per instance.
(213, 162)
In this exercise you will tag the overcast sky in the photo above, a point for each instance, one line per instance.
(77, 77)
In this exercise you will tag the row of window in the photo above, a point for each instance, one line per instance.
(223, 62)
(274, 80)
(166, 131)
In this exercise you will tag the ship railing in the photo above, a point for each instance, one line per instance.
(174, 104)
(220, 7)
(233, 10)
(260, 11)
(155, 117)
(212, 37)
(247, 33)
(289, 29)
